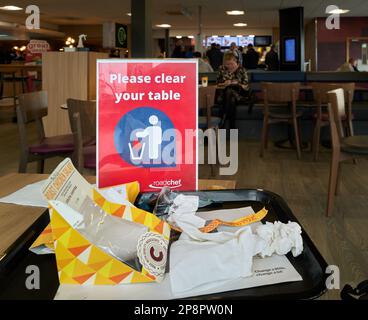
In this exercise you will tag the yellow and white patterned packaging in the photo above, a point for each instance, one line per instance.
(79, 261)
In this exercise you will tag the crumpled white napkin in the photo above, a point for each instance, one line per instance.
(199, 258)
(195, 263)
(184, 209)
(281, 238)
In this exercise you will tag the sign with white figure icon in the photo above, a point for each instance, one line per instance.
(147, 123)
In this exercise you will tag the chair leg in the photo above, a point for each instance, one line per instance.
(264, 137)
(266, 142)
(332, 183)
(297, 138)
(338, 181)
(350, 128)
(41, 166)
(316, 139)
(23, 163)
(208, 155)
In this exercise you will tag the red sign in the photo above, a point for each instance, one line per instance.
(35, 48)
(147, 123)
(38, 46)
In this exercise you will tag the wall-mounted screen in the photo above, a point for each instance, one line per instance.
(226, 41)
(290, 50)
(217, 40)
(244, 41)
(262, 41)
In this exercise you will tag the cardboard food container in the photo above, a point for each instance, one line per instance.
(81, 262)
(84, 254)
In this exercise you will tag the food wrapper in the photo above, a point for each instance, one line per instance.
(98, 240)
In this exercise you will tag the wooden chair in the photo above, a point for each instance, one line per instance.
(280, 93)
(32, 108)
(82, 117)
(320, 95)
(206, 102)
(343, 148)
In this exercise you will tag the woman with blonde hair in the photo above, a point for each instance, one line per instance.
(232, 77)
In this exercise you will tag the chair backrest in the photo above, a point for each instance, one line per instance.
(336, 108)
(280, 92)
(87, 115)
(207, 100)
(206, 96)
(33, 106)
(321, 89)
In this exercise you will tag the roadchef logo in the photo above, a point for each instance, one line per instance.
(172, 184)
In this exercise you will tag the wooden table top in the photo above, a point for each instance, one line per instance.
(15, 219)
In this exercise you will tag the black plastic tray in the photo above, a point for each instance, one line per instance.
(310, 264)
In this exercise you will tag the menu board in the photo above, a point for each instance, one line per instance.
(226, 41)
(244, 41)
(147, 122)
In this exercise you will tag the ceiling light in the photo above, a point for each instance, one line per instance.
(227, 36)
(235, 12)
(338, 11)
(179, 37)
(164, 25)
(129, 14)
(239, 36)
(11, 8)
(191, 37)
(240, 24)
(215, 36)
(252, 35)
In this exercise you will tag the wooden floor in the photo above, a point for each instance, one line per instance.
(341, 239)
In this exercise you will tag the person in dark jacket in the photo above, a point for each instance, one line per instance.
(272, 60)
(179, 50)
(215, 56)
(232, 78)
(251, 58)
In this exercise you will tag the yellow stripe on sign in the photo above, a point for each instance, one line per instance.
(241, 222)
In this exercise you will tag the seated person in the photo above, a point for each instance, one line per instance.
(350, 66)
(233, 77)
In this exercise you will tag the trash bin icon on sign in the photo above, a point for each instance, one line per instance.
(139, 138)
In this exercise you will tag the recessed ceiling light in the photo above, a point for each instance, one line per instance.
(251, 35)
(129, 14)
(191, 37)
(338, 11)
(239, 36)
(164, 25)
(179, 37)
(240, 24)
(11, 8)
(215, 36)
(235, 12)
